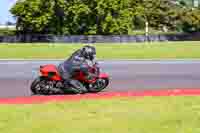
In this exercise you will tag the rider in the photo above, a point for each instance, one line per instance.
(80, 60)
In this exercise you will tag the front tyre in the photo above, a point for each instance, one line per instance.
(99, 85)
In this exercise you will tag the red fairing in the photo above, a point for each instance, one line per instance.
(50, 68)
(103, 75)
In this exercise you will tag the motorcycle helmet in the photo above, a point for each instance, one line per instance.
(89, 52)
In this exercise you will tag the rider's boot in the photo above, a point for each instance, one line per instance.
(75, 87)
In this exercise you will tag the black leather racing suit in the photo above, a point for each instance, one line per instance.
(68, 69)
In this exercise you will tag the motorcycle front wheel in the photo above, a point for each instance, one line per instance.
(99, 85)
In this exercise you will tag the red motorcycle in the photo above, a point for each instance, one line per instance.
(50, 82)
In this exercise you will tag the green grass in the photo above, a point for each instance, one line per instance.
(156, 50)
(133, 115)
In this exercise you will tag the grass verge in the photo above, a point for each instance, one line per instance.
(156, 50)
(124, 115)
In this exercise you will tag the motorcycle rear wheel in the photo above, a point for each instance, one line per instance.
(39, 87)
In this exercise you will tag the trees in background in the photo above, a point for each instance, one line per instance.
(190, 20)
(74, 16)
(105, 17)
(158, 13)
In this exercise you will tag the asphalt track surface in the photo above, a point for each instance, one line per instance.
(16, 76)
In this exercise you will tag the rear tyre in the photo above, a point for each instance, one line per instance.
(40, 87)
(35, 86)
(99, 85)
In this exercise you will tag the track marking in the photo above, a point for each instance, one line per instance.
(103, 95)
